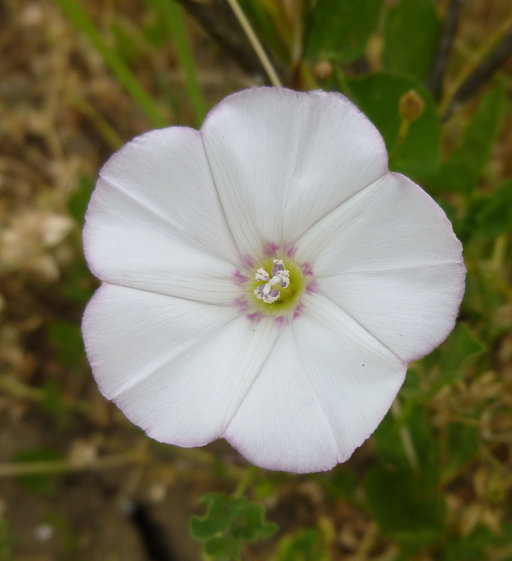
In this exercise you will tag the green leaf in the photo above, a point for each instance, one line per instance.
(218, 517)
(67, 340)
(341, 28)
(340, 483)
(223, 548)
(462, 444)
(251, 525)
(405, 508)
(79, 200)
(411, 34)
(228, 523)
(463, 169)
(461, 348)
(389, 447)
(308, 545)
(494, 213)
(450, 360)
(378, 96)
(482, 543)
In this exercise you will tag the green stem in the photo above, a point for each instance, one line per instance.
(244, 481)
(406, 438)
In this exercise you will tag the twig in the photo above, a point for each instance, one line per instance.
(438, 70)
(219, 22)
(255, 42)
(15, 388)
(482, 65)
(66, 466)
(481, 74)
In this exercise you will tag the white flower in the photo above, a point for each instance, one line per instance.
(265, 279)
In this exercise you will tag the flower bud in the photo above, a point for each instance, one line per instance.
(411, 106)
(322, 70)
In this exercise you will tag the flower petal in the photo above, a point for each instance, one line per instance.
(411, 311)
(177, 369)
(281, 160)
(154, 220)
(130, 333)
(354, 377)
(390, 259)
(391, 224)
(280, 425)
(325, 388)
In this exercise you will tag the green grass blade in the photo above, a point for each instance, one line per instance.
(175, 21)
(74, 11)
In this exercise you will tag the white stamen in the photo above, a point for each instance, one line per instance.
(262, 275)
(285, 281)
(280, 275)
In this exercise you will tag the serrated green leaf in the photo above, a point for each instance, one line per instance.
(411, 34)
(252, 525)
(228, 523)
(223, 548)
(217, 520)
(341, 28)
(463, 169)
(378, 96)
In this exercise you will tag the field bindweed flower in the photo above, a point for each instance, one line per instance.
(265, 279)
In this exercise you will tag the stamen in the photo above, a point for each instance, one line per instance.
(280, 276)
(278, 267)
(262, 275)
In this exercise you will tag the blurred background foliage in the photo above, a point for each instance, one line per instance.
(77, 482)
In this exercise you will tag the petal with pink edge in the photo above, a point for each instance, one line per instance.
(324, 389)
(154, 221)
(282, 159)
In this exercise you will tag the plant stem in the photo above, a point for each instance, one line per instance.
(255, 42)
(12, 386)
(66, 466)
(438, 70)
(482, 64)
